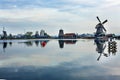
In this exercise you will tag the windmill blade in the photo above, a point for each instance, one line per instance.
(104, 47)
(104, 29)
(104, 21)
(99, 57)
(98, 19)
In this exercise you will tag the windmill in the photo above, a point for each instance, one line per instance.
(4, 33)
(101, 31)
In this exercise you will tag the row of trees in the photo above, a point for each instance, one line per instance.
(37, 35)
(27, 35)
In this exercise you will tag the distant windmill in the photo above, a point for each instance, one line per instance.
(4, 33)
(100, 28)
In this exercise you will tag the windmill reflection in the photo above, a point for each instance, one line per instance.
(101, 46)
(5, 44)
(61, 42)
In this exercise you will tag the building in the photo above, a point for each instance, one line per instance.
(36, 34)
(61, 33)
(70, 35)
(42, 33)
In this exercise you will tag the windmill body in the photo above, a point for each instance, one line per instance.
(100, 30)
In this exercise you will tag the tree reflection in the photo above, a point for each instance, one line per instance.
(29, 43)
(10, 43)
(37, 42)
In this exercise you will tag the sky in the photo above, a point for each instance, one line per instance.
(76, 16)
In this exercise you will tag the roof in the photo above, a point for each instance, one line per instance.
(69, 34)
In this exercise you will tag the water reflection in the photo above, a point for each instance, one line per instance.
(25, 60)
(101, 46)
(5, 44)
(28, 43)
(10, 43)
(112, 47)
(42, 43)
(37, 43)
(61, 42)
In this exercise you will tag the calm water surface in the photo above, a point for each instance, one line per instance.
(59, 60)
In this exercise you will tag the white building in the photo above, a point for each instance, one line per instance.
(42, 33)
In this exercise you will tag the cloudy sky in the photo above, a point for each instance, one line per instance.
(77, 16)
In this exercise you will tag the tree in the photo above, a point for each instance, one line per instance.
(28, 34)
(36, 34)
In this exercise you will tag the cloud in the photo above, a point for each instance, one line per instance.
(111, 3)
(6, 4)
(72, 13)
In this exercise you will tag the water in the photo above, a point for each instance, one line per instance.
(58, 60)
